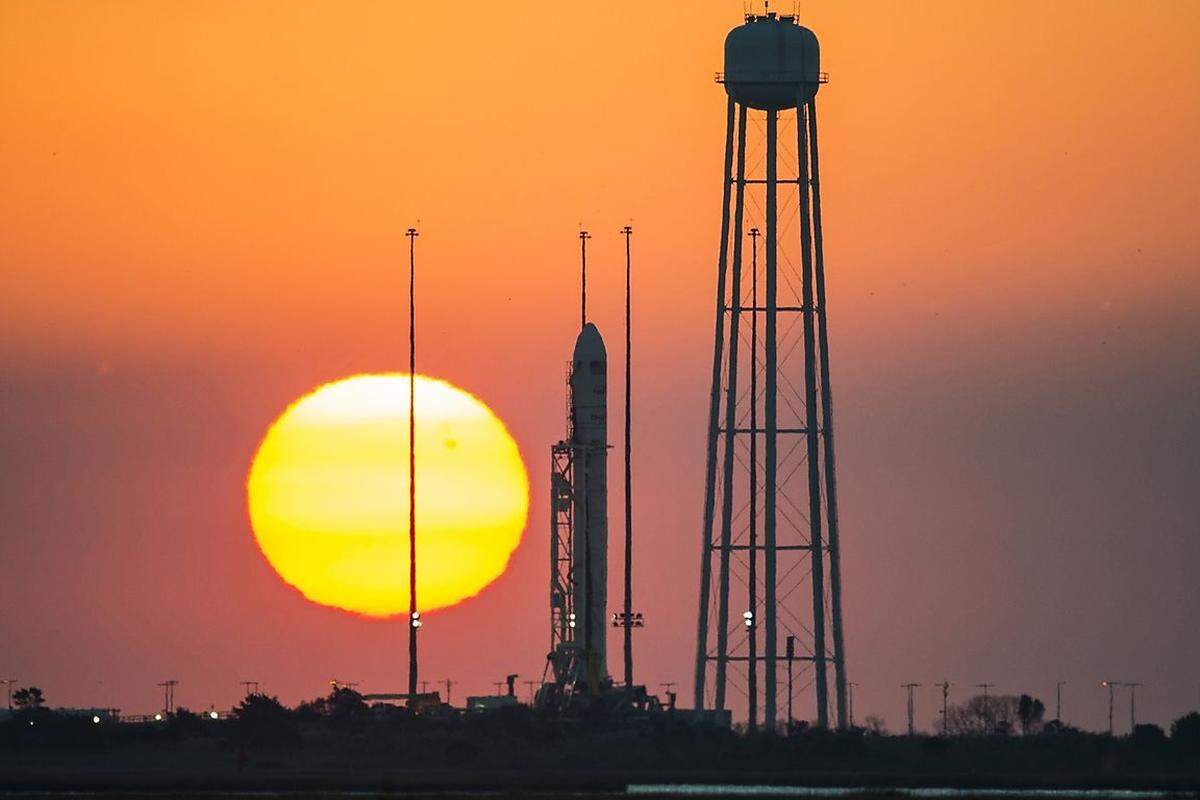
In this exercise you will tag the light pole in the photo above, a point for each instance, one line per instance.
(1110, 685)
(1058, 699)
(9, 683)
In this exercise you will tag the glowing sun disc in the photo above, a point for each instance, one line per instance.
(328, 495)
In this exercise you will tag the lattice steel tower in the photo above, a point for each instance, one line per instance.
(770, 556)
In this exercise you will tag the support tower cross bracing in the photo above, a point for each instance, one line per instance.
(770, 555)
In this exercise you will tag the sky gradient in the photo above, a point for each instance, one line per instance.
(202, 219)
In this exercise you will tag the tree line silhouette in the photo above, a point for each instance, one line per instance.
(1002, 739)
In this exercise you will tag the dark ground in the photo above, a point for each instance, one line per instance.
(521, 752)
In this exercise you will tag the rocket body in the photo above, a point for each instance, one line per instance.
(589, 439)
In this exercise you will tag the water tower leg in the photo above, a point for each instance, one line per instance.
(771, 424)
(812, 427)
(731, 396)
(831, 504)
(713, 421)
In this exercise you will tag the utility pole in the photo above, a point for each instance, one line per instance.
(247, 686)
(1133, 687)
(945, 686)
(670, 694)
(168, 688)
(911, 704)
(414, 616)
(424, 687)
(1110, 685)
(8, 682)
(1058, 699)
(498, 685)
(449, 684)
(627, 231)
(987, 706)
(851, 686)
(529, 685)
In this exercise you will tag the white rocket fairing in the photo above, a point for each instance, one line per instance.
(589, 440)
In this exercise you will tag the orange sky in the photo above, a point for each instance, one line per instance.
(202, 215)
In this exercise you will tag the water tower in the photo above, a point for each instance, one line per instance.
(770, 617)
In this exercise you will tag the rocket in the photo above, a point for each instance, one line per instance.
(589, 441)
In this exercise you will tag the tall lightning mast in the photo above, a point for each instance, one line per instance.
(414, 616)
(627, 618)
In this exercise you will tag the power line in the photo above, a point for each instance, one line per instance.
(1133, 705)
(945, 686)
(911, 704)
(168, 688)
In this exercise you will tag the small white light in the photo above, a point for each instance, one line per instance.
(416, 623)
(749, 623)
(158, 717)
(571, 624)
(212, 715)
(571, 616)
(748, 614)
(31, 723)
(96, 720)
(416, 615)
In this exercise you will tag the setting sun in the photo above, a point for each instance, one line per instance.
(328, 495)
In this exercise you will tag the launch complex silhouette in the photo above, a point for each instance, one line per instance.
(769, 521)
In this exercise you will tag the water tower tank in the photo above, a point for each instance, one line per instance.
(772, 63)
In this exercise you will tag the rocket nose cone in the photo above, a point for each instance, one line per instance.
(589, 346)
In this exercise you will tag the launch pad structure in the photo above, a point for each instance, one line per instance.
(576, 674)
(770, 579)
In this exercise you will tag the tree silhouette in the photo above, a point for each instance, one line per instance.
(982, 716)
(1030, 711)
(28, 699)
(263, 719)
(1185, 731)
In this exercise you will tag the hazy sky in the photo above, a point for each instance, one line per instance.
(202, 218)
